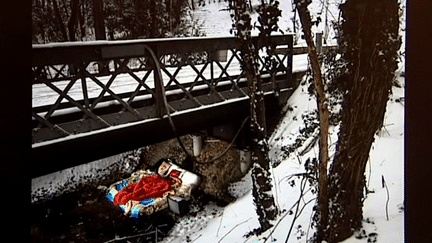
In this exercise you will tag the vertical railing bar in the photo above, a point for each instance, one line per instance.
(211, 68)
(273, 71)
(84, 88)
(290, 60)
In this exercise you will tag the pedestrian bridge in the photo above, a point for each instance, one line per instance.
(95, 99)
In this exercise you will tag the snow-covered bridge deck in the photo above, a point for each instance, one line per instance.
(96, 99)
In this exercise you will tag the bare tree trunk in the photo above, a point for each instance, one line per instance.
(59, 20)
(370, 41)
(262, 187)
(73, 19)
(82, 22)
(153, 18)
(322, 111)
(98, 18)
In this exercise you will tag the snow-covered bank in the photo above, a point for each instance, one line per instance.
(54, 184)
(215, 19)
(231, 223)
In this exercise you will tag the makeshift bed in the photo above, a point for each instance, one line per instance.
(146, 191)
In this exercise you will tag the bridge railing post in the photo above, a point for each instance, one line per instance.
(197, 144)
(158, 82)
(245, 160)
(290, 60)
(319, 42)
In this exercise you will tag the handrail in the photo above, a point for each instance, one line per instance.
(70, 52)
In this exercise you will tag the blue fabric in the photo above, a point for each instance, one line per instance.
(110, 197)
(135, 212)
(147, 201)
(121, 185)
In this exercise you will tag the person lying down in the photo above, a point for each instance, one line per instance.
(147, 191)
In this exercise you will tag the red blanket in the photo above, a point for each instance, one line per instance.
(147, 187)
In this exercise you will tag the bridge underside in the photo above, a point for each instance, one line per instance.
(80, 149)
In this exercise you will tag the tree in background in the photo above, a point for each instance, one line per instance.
(323, 112)
(54, 21)
(368, 42)
(71, 20)
(98, 18)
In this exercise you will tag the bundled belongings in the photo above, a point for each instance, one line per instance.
(146, 192)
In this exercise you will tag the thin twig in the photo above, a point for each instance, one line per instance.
(298, 202)
(276, 188)
(220, 223)
(197, 238)
(298, 158)
(129, 237)
(309, 226)
(384, 184)
(298, 213)
(295, 215)
(160, 232)
(274, 228)
(293, 175)
(234, 228)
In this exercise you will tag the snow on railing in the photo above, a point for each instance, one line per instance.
(84, 86)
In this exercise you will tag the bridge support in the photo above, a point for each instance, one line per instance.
(245, 159)
(197, 144)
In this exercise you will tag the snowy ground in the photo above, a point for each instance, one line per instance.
(215, 20)
(230, 224)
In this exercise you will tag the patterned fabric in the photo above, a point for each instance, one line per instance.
(148, 187)
(146, 192)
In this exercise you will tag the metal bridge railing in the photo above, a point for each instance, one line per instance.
(83, 87)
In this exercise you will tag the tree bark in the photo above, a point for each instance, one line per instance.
(370, 41)
(81, 19)
(323, 115)
(73, 20)
(262, 187)
(98, 18)
(59, 20)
